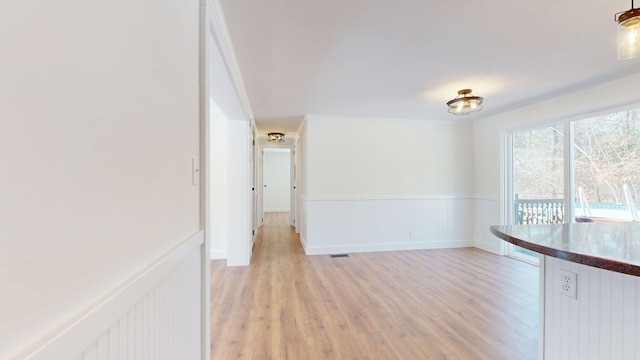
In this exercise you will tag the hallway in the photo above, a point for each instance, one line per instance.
(426, 304)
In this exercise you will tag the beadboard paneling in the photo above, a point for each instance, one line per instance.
(383, 224)
(162, 322)
(602, 323)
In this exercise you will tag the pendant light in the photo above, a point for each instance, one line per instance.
(628, 33)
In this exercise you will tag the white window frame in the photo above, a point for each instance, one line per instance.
(507, 213)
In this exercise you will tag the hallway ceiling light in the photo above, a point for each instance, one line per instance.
(465, 103)
(628, 33)
(276, 137)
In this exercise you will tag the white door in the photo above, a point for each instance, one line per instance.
(277, 179)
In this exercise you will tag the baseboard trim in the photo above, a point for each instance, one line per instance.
(323, 250)
(486, 246)
(218, 254)
(277, 210)
(303, 242)
(386, 197)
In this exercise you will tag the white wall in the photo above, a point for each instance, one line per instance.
(277, 178)
(298, 172)
(488, 155)
(302, 174)
(219, 173)
(372, 185)
(239, 195)
(373, 157)
(100, 123)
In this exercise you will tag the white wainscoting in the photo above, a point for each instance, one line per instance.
(602, 323)
(157, 315)
(341, 225)
(487, 213)
(303, 222)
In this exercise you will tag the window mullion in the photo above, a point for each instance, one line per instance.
(569, 178)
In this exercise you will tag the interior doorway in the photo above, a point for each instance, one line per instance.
(277, 180)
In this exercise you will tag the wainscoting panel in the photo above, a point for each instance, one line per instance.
(603, 322)
(303, 223)
(156, 317)
(383, 224)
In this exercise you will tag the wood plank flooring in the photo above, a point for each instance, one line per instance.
(426, 304)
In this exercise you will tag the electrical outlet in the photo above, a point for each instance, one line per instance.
(410, 234)
(569, 283)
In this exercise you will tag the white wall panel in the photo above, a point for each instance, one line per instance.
(303, 223)
(385, 184)
(356, 157)
(302, 173)
(487, 213)
(382, 224)
(239, 195)
(602, 323)
(219, 181)
(100, 123)
(156, 316)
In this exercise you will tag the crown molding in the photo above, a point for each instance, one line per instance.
(624, 85)
(386, 119)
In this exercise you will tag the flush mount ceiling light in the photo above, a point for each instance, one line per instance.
(275, 137)
(628, 33)
(465, 103)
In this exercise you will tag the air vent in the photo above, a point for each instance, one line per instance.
(339, 255)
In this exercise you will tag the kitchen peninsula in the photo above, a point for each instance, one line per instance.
(589, 287)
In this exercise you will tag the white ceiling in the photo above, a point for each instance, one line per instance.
(407, 58)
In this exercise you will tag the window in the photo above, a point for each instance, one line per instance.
(538, 180)
(596, 159)
(607, 167)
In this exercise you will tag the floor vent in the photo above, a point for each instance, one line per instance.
(339, 255)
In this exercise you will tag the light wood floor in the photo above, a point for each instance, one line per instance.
(426, 304)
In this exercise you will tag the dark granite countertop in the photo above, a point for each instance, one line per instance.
(613, 246)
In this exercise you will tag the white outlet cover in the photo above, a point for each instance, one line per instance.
(568, 283)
